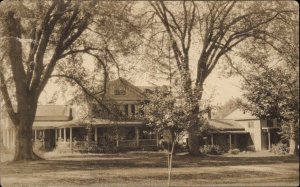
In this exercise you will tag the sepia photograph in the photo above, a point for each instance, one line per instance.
(149, 93)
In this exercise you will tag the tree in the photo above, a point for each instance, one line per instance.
(37, 36)
(270, 69)
(114, 35)
(272, 92)
(213, 29)
(165, 113)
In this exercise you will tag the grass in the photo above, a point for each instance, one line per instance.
(150, 169)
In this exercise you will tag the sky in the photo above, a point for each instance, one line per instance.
(220, 88)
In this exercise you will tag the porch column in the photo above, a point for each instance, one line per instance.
(55, 135)
(35, 135)
(59, 133)
(230, 141)
(96, 134)
(65, 134)
(117, 142)
(269, 140)
(137, 135)
(71, 137)
(117, 137)
(212, 139)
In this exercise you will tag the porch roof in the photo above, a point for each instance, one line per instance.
(83, 123)
(52, 124)
(230, 132)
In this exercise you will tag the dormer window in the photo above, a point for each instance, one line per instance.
(120, 91)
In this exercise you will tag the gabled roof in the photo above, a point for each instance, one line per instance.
(239, 114)
(229, 125)
(127, 84)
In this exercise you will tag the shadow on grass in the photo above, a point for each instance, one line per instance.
(137, 160)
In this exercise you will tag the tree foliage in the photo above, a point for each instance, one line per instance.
(164, 112)
(42, 38)
(270, 69)
(203, 33)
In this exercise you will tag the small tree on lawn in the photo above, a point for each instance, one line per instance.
(166, 113)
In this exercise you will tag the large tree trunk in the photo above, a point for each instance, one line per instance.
(23, 147)
(193, 140)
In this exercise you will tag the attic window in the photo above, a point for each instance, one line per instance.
(120, 91)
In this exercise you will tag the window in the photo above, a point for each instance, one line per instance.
(133, 109)
(120, 91)
(126, 110)
(250, 124)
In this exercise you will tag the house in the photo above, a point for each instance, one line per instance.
(242, 130)
(263, 132)
(63, 126)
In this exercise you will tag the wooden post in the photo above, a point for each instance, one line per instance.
(60, 134)
(230, 147)
(55, 135)
(96, 134)
(157, 139)
(35, 135)
(71, 137)
(269, 140)
(117, 140)
(137, 135)
(65, 134)
(212, 139)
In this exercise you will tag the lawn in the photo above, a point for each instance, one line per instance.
(150, 169)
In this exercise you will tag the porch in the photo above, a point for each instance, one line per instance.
(95, 138)
(228, 140)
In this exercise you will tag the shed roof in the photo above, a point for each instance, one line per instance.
(225, 125)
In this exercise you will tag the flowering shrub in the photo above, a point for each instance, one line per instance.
(280, 148)
(211, 149)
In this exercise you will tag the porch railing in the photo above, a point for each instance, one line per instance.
(147, 142)
(85, 146)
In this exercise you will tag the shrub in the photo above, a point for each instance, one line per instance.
(234, 151)
(250, 148)
(62, 147)
(211, 149)
(280, 148)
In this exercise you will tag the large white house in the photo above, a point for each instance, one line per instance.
(63, 125)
